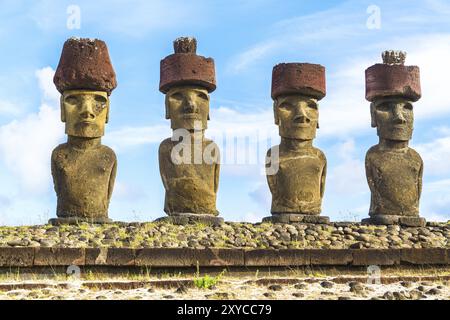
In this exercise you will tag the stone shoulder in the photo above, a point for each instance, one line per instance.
(371, 152)
(415, 154)
(168, 144)
(60, 149)
(276, 148)
(107, 150)
(320, 153)
(376, 149)
(64, 148)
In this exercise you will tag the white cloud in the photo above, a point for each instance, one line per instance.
(344, 111)
(432, 59)
(26, 144)
(140, 17)
(439, 6)
(435, 203)
(48, 89)
(300, 33)
(226, 120)
(253, 217)
(343, 26)
(348, 177)
(435, 155)
(262, 196)
(9, 108)
(251, 55)
(128, 137)
(126, 192)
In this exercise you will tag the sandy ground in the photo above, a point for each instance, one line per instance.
(241, 288)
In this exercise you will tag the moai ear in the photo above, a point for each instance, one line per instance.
(107, 112)
(208, 117)
(317, 119)
(372, 115)
(275, 114)
(167, 107)
(63, 111)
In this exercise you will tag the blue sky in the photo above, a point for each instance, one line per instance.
(246, 38)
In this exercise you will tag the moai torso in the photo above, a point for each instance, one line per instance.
(83, 180)
(298, 185)
(295, 169)
(83, 169)
(190, 187)
(394, 170)
(188, 162)
(395, 181)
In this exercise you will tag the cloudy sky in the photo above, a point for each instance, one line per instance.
(246, 39)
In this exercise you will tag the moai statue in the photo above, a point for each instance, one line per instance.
(295, 169)
(393, 170)
(188, 162)
(83, 169)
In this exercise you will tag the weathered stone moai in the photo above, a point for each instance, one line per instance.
(188, 162)
(393, 170)
(295, 169)
(83, 169)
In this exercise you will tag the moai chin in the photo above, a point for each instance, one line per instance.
(295, 169)
(188, 162)
(83, 169)
(393, 169)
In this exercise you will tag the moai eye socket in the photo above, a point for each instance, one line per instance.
(100, 99)
(285, 106)
(100, 103)
(312, 105)
(384, 107)
(73, 100)
(176, 96)
(202, 95)
(408, 106)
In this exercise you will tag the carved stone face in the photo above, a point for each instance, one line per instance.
(297, 116)
(85, 112)
(187, 107)
(393, 118)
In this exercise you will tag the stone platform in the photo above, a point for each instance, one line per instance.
(77, 221)
(395, 220)
(339, 235)
(187, 218)
(192, 258)
(296, 218)
(162, 244)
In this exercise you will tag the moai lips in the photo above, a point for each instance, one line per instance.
(393, 169)
(83, 169)
(295, 169)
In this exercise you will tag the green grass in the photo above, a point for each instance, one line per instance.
(206, 281)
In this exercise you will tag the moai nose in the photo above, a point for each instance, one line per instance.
(398, 115)
(301, 119)
(190, 106)
(301, 115)
(87, 111)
